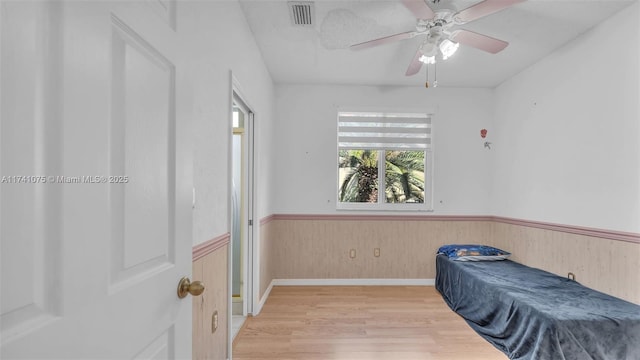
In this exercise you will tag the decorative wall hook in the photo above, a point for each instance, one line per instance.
(483, 134)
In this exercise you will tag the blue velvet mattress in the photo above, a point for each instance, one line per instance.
(531, 314)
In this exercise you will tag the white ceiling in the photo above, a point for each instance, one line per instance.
(320, 55)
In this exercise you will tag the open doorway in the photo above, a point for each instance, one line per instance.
(241, 211)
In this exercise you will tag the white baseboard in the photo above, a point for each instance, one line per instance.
(264, 298)
(352, 282)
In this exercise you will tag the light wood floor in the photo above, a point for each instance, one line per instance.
(358, 323)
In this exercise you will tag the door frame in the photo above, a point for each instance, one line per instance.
(249, 256)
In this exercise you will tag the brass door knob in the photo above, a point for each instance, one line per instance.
(185, 286)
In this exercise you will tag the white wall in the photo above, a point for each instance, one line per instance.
(223, 44)
(567, 133)
(305, 150)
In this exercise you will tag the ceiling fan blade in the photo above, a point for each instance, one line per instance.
(415, 64)
(419, 8)
(479, 41)
(383, 40)
(484, 8)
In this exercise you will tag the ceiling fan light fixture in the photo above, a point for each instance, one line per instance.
(427, 59)
(448, 48)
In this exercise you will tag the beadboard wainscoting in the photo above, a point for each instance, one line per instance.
(319, 248)
(267, 255)
(608, 265)
(210, 265)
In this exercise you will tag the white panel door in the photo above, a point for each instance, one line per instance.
(96, 179)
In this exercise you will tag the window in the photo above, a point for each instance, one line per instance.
(384, 161)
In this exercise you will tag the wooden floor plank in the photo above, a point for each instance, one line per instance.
(359, 322)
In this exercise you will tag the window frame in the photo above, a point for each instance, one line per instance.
(382, 205)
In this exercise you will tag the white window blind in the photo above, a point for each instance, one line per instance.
(383, 131)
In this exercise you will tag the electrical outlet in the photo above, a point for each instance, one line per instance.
(376, 252)
(214, 321)
(352, 253)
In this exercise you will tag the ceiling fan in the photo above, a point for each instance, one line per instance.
(436, 26)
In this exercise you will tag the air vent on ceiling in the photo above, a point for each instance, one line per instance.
(302, 12)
